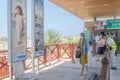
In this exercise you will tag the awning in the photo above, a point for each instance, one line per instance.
(90, 9)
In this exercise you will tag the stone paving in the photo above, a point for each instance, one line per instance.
(70, 71)
(115, 74)
(67, 71)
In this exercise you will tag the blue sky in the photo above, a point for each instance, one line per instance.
(54, 17)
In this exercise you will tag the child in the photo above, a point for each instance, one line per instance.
(90, 55)
(18, 16)
(94, 48)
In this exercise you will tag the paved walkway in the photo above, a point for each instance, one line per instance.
(65, 70)
(115, 74)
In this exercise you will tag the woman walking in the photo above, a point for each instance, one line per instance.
(101, 44)
(83, 53)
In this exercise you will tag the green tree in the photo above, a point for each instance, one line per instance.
(72, 40)
(3, 38)
(52, 36)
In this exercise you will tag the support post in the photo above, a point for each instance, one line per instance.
(114, 17)
(38, 63)
(9, 39)
(95, 19)
(32, 34)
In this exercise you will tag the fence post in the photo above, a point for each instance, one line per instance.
(72, 47)
(45, 56)
(58, 52)
(70, 51)
(60, 49)
(24, 64)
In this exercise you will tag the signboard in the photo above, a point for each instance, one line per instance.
(113, 24)
(99, 25)
(18, 31)
(87, 35)
(39, 27)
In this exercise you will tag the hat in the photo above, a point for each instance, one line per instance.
(112, 33)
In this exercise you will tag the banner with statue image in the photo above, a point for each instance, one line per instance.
(18, 31)
(39, 27)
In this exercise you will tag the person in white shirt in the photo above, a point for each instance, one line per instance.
(97, 38)
(90, 55)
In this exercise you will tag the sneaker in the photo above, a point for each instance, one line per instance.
(73, 62)
(97, 60)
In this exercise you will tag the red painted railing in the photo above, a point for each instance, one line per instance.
(52, 52)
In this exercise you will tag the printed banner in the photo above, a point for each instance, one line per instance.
(39, 27)
(99, 25)
(18, 24)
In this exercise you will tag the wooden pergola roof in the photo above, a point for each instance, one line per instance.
(89, 9)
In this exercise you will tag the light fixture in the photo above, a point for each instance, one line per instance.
(82, 2)
(105, 4)
(71, 8)
(65, 4)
